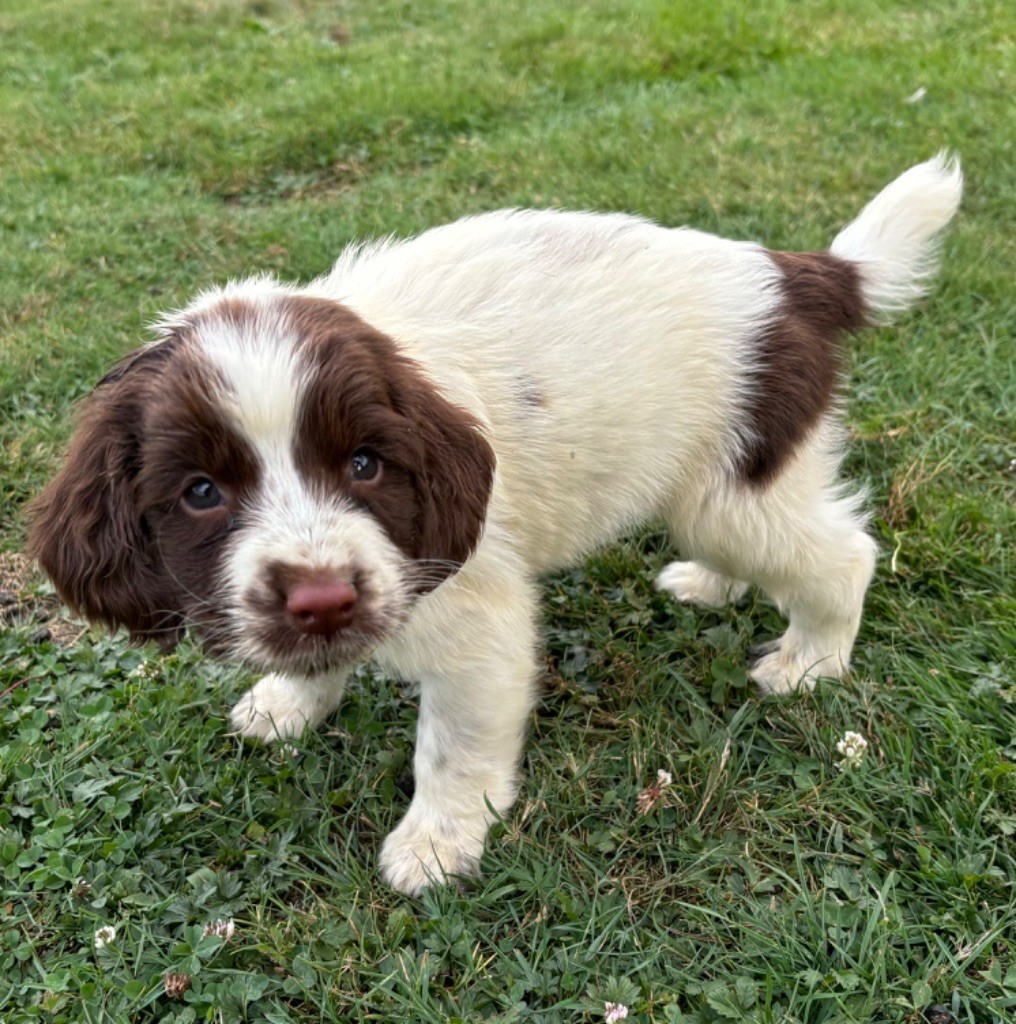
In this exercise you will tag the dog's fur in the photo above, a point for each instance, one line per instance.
(532, 385)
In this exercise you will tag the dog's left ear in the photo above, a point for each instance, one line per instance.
(441, 445)
(454, 477)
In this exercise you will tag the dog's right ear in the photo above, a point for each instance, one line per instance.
(86, 528)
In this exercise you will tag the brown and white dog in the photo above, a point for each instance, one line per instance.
(382, 464)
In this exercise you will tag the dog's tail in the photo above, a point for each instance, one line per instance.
(893, 242)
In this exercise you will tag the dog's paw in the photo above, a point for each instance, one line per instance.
(427, 850)
(275, 708)
(778, 671)
(691, 583)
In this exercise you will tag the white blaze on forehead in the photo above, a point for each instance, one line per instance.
(262, 377)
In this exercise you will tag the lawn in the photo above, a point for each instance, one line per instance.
(149, 149)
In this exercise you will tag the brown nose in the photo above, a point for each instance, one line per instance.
(322, 608)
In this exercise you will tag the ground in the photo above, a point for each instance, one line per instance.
(147, 150)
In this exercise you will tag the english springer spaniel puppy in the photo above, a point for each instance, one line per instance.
(381, 465)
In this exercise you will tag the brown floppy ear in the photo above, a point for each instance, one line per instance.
(86, 529)
(455, 475)
(365, 383)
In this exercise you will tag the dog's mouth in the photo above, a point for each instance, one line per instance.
(302, 657)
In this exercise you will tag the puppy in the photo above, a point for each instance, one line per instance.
(383, 463)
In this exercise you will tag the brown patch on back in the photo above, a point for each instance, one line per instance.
(437, 468)
(798, 363)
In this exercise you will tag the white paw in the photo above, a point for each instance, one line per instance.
(277, 708)
(692, 583)
(428, 850)
(780, 673)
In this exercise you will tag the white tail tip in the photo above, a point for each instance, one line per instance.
(894, 241)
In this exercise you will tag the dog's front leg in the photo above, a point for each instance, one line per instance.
(281, 707)
(469, 739)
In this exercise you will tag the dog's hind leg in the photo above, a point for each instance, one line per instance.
(819, 583)
(694, 583)
(801, 538)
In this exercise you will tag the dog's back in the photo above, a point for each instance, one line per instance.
(617, 363)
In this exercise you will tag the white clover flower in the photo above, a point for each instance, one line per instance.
(144, 670)
(613, 1012)
(646, 800)
(175, 984)
(104, 936)
(851, 749)
(223, 928)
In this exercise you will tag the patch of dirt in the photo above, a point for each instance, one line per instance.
(905, 485)
(24, 600)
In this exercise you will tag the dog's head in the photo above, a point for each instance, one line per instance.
(271, 472)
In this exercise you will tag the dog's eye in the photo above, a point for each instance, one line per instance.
(364, 465)
(202, 495)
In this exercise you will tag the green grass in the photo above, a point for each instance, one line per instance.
(150, 149)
